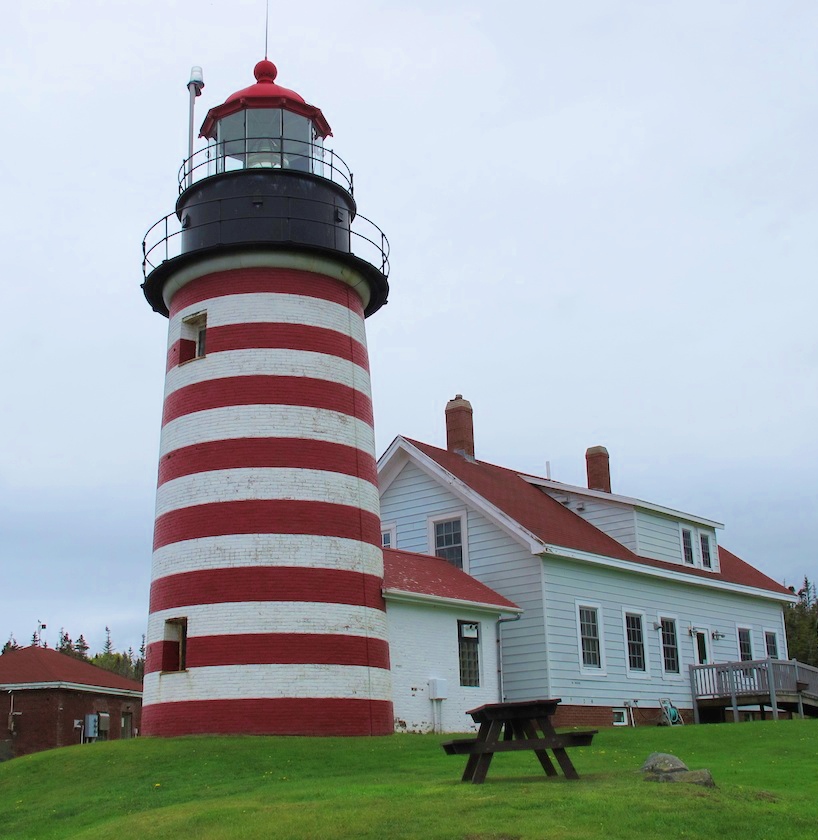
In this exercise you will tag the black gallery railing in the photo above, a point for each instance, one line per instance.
(260, 153)
(362, 239)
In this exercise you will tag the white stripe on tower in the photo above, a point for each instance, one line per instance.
(267, 536)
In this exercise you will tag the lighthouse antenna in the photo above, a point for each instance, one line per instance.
(266, 28)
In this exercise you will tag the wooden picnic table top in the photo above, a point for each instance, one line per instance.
(518, 710)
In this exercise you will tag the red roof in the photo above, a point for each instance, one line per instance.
(265, 93)
(407, 571)
(43, 665)
(554, 524)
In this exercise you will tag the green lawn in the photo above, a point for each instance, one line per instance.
(404, 786)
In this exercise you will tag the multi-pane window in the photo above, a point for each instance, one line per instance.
(707, 560)
(468, 644)
(687, 545)
(771, 641)
(670, 646)
(386, 539)
(636, 642)
(589, 635)
(449, 541)
(745, 644)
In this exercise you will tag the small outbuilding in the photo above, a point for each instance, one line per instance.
(55, 700)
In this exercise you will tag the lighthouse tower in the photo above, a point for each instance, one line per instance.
(266, 606)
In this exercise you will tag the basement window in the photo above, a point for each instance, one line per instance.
(174, 645)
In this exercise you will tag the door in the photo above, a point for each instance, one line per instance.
(702, 653)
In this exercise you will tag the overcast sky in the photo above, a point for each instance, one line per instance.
(603, 223)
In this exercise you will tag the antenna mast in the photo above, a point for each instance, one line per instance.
(266, 28)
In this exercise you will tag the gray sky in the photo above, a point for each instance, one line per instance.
(603, 224)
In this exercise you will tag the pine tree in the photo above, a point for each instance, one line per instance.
(11, 644)
(801, 620)
(81, 647)
(65, 645)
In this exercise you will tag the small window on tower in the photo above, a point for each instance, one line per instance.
(174, 645)
(193, 340)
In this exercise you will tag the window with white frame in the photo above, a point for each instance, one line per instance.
(590, 637)
(745, 644)
(771, 643)
(468, 646)
(447, 539)
(687, 546)
(704, 542)
(389, 536)
(670, 646)
(635, 637)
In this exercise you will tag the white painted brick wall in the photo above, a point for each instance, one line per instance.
(423, 645)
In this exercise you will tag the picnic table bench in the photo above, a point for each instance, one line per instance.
(523, 725)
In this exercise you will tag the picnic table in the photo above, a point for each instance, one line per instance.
(523, 725)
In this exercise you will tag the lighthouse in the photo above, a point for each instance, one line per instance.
(266, 606)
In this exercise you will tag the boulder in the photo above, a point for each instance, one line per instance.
(663, 763)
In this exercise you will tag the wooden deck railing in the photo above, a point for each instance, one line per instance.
(773, 678)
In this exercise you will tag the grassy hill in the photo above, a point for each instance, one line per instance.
(404, 786)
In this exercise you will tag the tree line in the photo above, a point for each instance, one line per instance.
(801, 620)
(128, 664)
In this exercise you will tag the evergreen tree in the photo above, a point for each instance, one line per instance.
(801, 620)
(65, 645)
(81, 647)
(11, 644)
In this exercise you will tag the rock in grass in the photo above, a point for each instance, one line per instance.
(663, 767)
(663, 763)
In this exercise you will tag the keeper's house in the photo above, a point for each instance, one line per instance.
(619, 596)
(56, 700)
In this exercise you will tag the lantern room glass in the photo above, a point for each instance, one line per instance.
(268, 138)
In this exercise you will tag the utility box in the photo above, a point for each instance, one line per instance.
(104, 722)
(91, 726)
(438, 689)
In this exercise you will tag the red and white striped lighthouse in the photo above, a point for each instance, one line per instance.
(266, 607)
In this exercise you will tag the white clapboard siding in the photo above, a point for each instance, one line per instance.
(568, 582)
(658, 537)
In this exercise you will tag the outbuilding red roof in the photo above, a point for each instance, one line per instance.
(44, 665)
(422, 574)
(554, 524)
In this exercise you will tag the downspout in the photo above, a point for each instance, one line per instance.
(500, 621)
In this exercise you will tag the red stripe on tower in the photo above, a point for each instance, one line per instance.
(268, 452)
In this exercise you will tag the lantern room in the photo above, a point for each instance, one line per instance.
(265, 126)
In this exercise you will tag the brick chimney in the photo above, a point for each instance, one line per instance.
(459, 426)
(598, 467)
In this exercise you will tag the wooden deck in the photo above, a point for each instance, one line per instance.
(766, 683)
